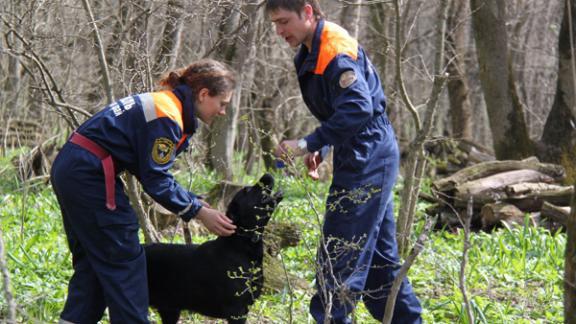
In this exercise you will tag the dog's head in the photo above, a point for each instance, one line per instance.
(252, 207)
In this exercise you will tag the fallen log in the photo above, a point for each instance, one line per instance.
(486, 169)
(494, 215)
(555, 194)
(555, 213)
(492, 188)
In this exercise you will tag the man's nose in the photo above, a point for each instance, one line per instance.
(279, 30)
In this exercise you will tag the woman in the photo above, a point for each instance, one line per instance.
(141, 134)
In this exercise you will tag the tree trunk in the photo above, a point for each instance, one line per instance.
(506, 115)
(223, 130)
(350, 17)
(559, 135)
(570, 267)
(458, 90)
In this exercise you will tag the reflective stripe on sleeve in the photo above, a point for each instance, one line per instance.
(148, 107)
(185, 210)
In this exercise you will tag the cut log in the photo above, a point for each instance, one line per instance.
(555, 213)
(486, 169)
(492, 188)
(554, 194)
(494, 215)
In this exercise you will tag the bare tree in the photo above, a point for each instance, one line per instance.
(223, 131)
(458, 89)
(416, 161)
(559, 136)
(505, 112)
(171, 38)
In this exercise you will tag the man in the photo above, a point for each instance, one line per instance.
(358, 257)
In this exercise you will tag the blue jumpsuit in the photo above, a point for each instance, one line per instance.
(143, 134)
(360, 259)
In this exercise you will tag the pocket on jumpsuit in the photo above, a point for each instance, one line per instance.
(121, 232)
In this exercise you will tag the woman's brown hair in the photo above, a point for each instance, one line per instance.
(215, 76)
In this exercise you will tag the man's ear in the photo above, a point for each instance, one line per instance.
(308, 12)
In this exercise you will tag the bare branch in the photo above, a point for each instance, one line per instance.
(464, 260)
(418, 247)
(6, 284)
(101, 55)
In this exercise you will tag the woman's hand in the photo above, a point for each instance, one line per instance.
(216, 221)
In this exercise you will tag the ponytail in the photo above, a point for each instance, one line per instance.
(215, 76)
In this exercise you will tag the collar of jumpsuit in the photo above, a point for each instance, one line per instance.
(184, 93)
(329, 41)
(307, 59)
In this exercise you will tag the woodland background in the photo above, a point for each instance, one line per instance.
(507, 69)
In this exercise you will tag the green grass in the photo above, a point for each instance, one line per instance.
(513, 276)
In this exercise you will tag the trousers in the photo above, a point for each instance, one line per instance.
(358, 255)
(108, 261)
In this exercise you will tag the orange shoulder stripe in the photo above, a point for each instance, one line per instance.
(333, 41)
(168, 105)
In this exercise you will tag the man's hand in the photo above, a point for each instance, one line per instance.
(216, 221)
(312, 161)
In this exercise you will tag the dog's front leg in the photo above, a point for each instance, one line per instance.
(169, 316)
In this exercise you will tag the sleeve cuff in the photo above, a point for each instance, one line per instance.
(191, 210)
(314, 144)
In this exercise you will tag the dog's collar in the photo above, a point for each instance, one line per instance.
(253, 235)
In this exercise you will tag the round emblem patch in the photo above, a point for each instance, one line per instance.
(347, 78)
(162, 150)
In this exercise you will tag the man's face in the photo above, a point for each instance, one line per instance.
(295, 29)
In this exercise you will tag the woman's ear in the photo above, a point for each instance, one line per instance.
(202, 94)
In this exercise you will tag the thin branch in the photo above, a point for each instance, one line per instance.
(464, 261)
(399, 77)
(150, 234)
(418, 247)
(50, 84)
(6, 284)
(101, 54)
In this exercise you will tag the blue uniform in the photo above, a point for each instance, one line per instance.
(143, 134)
(343, 91)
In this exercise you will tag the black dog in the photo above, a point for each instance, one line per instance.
(218, 278)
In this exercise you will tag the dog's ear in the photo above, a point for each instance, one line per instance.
(266, 182)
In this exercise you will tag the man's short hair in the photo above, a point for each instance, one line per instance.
(295, 6)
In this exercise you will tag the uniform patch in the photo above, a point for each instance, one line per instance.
(347, 79)
(162, 150)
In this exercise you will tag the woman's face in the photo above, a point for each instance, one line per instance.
(209, 107)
